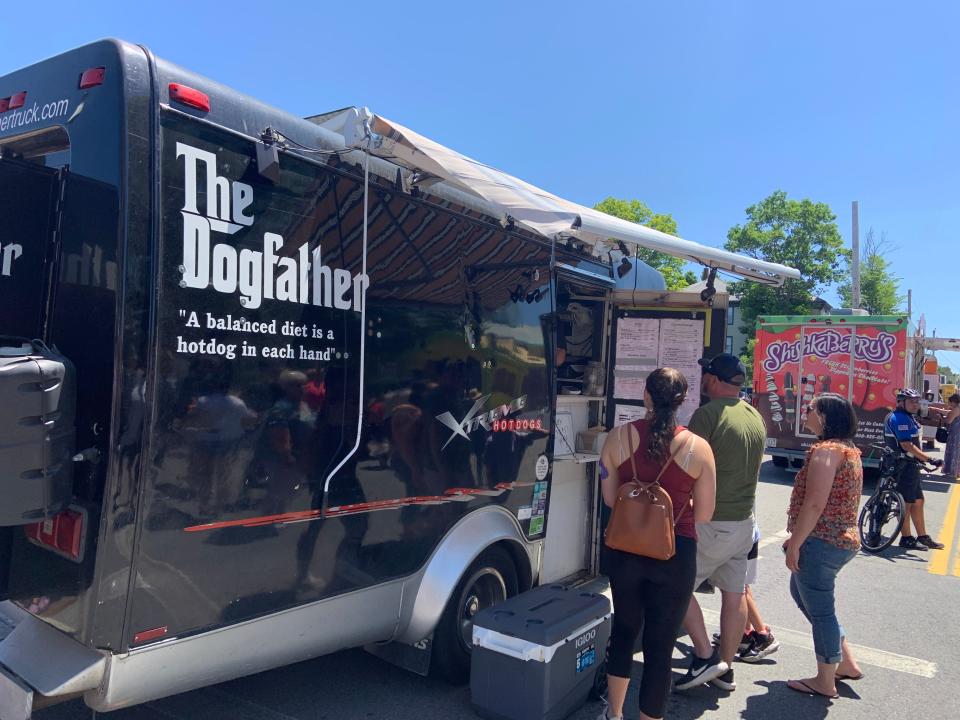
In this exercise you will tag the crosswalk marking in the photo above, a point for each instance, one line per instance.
(781, 536)
(865, 655)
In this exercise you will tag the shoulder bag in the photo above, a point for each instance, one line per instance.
(943, 433)
(642, 521)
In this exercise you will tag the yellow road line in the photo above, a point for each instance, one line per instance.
(940, 559)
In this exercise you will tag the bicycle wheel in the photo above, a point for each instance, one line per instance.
(880, 521)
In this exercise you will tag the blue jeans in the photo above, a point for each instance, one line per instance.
(813, 590)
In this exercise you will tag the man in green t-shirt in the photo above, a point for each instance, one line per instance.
(737, 435)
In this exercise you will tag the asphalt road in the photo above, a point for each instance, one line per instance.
(898, 610)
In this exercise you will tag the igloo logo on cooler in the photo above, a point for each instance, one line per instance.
(585, 638)
(823, 344)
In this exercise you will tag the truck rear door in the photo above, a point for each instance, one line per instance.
(28, 200)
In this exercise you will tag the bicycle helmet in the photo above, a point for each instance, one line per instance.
(907, 394)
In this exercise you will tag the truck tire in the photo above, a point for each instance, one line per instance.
(779, 461)
(490, 579)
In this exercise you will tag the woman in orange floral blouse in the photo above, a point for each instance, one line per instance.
(822, 520)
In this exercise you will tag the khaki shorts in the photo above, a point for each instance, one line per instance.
(722, 549)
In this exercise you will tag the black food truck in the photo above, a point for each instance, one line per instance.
(274, 387)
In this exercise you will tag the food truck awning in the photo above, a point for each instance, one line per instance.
(529, 206)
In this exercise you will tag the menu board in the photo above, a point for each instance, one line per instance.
(681, 346)
(645, 344)
(638, 342)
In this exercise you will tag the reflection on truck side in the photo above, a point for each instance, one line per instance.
(88, 268)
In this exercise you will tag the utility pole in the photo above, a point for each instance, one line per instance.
(909, 304)
(855, 285)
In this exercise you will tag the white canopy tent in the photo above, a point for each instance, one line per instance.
(526, 205)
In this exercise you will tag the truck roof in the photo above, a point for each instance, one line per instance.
(765, 320)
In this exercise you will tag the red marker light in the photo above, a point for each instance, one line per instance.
(18, 100)
(147, 635)
(189, 97)
(4, 105)
(92, 77)
(62, 533)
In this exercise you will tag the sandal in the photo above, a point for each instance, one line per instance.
(848, 677)
(804, 688)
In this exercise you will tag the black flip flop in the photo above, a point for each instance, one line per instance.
(807, 690)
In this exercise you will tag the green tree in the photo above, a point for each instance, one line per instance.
(879, 288)
(746, 355)
(672, 268)
(801, 234)
(948, 372)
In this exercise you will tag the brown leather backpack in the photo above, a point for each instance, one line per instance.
(642, 521)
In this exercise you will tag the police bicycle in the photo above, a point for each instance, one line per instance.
(882, 516)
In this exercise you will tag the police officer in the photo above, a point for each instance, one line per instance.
(901, 431)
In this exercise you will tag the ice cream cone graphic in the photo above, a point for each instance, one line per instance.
(809, 387)
(776, 409)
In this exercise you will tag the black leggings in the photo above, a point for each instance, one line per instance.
(649, 596)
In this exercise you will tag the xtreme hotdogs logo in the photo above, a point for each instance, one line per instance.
(254, 275)
(495, 420)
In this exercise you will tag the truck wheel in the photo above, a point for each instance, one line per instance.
(779, 461)
(491, 579)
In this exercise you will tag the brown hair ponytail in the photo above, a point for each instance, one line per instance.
(667, 388)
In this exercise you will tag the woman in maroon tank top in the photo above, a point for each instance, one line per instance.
(652, 595)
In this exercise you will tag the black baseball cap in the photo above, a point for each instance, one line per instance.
(725, 366)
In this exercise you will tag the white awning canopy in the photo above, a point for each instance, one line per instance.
(529, 206)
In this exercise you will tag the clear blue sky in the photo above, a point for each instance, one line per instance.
(699, 109)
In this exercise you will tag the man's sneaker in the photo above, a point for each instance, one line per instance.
(725, 681)
(910, 543)
(702, 671)
(761, 645)
(742, 647)
(929, 542)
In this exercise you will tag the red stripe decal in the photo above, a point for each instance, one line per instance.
(451, 495)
